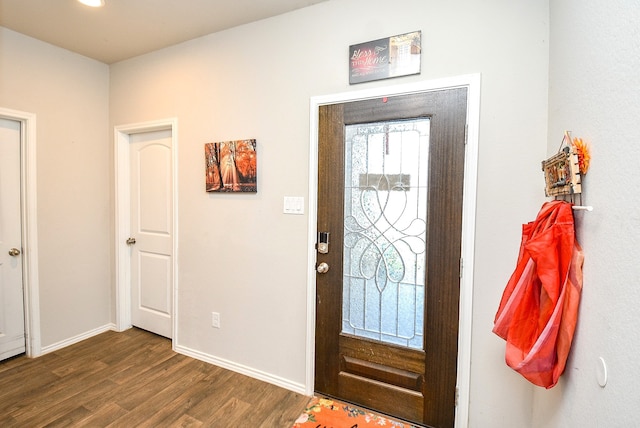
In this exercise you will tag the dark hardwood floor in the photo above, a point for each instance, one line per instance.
(134, 379)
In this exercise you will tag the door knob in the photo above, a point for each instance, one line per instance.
(322, 268)
(14, 252)
(131, 241)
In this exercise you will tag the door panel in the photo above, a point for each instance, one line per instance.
(12, 331)
(155, 287)
(391, 344)
(151, 227)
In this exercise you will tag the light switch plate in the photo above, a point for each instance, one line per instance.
(293, 205)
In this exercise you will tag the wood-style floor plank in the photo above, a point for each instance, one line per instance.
(103, 416)
(134, 379)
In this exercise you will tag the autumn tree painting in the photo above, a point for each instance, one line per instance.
(231, 166)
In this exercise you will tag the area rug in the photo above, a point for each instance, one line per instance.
(327, 413)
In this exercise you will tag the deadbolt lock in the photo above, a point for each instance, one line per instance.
(323, 243)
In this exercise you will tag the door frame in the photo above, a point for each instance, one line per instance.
(122, 137)
(472, 82)
(29, 220)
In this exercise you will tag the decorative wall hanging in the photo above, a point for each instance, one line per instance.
(562, 171)
(385, 58)
(231, 166)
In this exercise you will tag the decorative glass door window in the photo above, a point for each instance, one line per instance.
(385, 218)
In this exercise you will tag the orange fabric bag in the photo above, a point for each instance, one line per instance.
(539, 307)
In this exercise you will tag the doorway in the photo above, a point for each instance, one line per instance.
(146, 231)
(20, 303)
(415, 367)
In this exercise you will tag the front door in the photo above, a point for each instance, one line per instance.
(12, 331)
(151, 240)
(390, 184)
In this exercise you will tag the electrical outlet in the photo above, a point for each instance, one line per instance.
(215, 319)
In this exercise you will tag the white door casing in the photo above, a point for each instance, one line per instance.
(146, 211)
(23, 267)
(12, 330)
(472, 82)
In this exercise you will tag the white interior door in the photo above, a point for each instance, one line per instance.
(12, 329)
(151, 228)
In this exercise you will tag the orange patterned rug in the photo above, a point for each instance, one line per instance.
(328, 413)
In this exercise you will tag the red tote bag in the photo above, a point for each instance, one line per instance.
(539, 307)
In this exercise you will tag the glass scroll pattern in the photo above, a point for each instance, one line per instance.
(385, 213)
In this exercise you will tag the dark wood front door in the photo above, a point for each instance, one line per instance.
(390, 183)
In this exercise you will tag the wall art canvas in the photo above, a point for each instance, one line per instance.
(385, 58)
(231, 166)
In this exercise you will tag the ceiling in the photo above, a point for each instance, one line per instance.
(126, 28)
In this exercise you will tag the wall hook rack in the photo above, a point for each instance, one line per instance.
(582, 207)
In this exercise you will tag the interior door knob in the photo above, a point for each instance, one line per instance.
(131, 241)
(322, 268)
(14, 252)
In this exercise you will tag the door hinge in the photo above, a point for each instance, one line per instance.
(457, 396)
(461, 266)
(466, 134)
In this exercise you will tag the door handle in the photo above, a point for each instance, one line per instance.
(322, 268)
(14, 252)
(131, 241)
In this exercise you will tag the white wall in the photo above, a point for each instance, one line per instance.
(239, 255)
(595, 93)
(69, 95)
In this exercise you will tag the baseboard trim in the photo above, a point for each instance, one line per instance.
(239, 368)
(75, 339)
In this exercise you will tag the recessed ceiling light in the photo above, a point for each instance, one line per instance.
(92, 3)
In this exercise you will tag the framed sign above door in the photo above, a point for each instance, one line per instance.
(385, 58)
